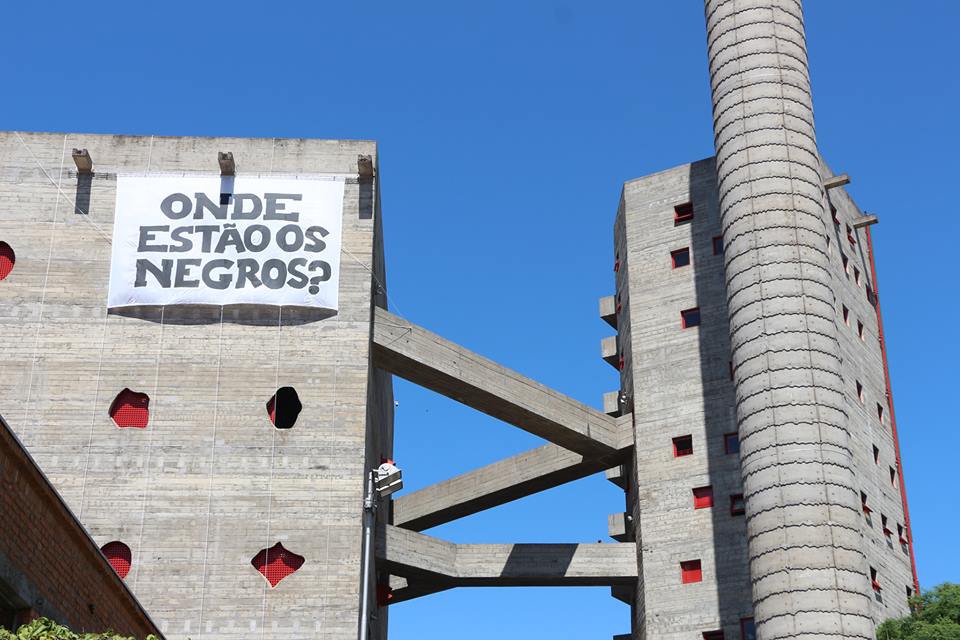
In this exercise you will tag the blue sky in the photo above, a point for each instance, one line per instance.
(506, 129)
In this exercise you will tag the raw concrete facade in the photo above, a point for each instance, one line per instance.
(209, 482)
(752, 433)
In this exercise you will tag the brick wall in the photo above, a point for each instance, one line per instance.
(48, 564)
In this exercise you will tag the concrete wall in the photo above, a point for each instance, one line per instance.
(210, 482)
(680, 385)
(49, 566)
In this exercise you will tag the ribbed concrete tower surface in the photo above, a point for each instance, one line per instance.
(803, 510)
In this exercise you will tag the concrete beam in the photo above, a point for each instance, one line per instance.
(610, 352)
(495, 484)
(836, 181)
(611, 403)
(608, 310)
(81, 158)
(421, 558)
(865, 221)
(422, 357)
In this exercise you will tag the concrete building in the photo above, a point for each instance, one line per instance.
(753, 432)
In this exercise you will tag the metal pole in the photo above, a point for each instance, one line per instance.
(369, 517)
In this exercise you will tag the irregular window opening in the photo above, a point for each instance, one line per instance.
(876, 454)
(276, 563)
(731, 442)
(737, 506)
(690, 317)
(690, 571)
(712, 635)
(119, 557)
(846, 315)
(703, 497)
(130, 409)
(284, 407)
(680, 257)
(683, 213)
(7, 259)
(682, 446)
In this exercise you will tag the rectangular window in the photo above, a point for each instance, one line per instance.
(883, 525)
(909, 593)
(846, 315)
(680, 257)
(690, 571)
(859, 392)
(748, 631)
(874, 579)
(901, 534)
(718, 245)
(683, 213)
(893, 477)
(703, 497)
(682, 446)
(845, 261)
(876, 454)
(731, 442)
(737, 505)
(690, 317)
(850, 235)
(713, 635)
(860, 329)
(863, 504)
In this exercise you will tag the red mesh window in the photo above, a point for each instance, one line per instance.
(130, 409)
(683, 213)
(284, 407)
(680, 257)
(118, 554)
(276, 563)
(690, 318)
(682, 446)
(690, 571)
(703, 497)
(7, 259)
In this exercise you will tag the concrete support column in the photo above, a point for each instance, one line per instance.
(803, 509)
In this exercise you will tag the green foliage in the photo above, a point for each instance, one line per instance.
(936, 616)
(46, 629)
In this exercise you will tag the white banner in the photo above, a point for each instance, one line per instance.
(219, 241)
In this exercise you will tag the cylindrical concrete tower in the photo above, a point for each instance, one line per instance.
(806, 564)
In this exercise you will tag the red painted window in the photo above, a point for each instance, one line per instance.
(718, 245)
(276, 563)
(690, 317)
(883, 525)
(284, 407)
(616, 264)
(682, 446)
(619, 303)
(703, 497)
(874, 579)
(130, 409)
(623, 362)
(748, 630)
(683, 213)
(846, 315)
(863, 503)
(680, 257)
(712, 635)
(119, 557)
(731, 442)
(690, 571)
(7, 259)
(833, 214)
(850, 237)
(737, 506)
(901, 534)
(876, 454)
(845, 261)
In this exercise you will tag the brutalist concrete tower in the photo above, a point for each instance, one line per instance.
(802, 506)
